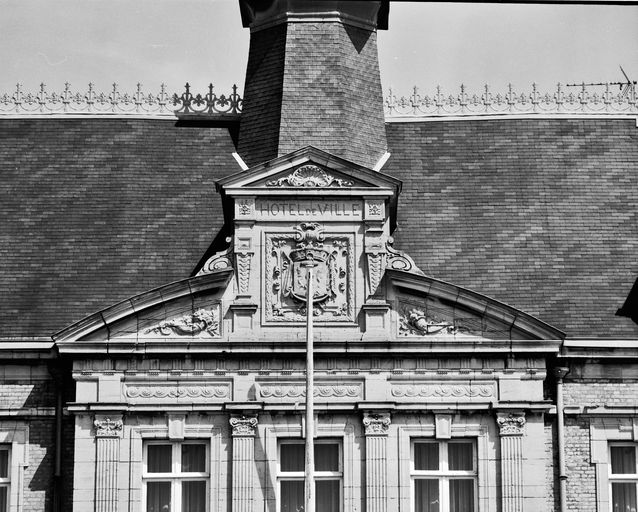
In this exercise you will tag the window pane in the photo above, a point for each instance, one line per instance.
(194, 496)
(292, 457)
(4, 499)
(193, 458)
(292, 495)
(158, 496)
(461, 495)
(426, 494)
(623, 497)
(326, 457)
(623, 460)
(426, 456)
(327, 497)
(460, 456)
(4, 463)
(159, 458)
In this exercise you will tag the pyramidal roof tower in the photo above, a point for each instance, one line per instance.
(313, 79)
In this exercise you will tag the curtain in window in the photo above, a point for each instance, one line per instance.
(426, 456)
(461, 495)
(292, 457)
(159, 458)
(193, 458)
(4, 463)
(623, 497)
(158, 497)
(4, 498)
(327, 496)
(194, 496)
(623, 460)
(292, 495)
(426, 494)
(326, 457)
(460, 456)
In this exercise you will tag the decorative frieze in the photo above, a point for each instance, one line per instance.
(243, 425)
(178, 392)
(202, 321)
(376, 423)
(442, 391)
(284, 391)
(285, 282)
(309, 176)
(512, 424)
(108, 427)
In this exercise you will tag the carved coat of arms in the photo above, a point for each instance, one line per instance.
(289, 258)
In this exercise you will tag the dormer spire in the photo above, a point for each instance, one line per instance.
(313, 79)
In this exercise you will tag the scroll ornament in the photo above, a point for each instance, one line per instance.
(376, 424)
(309, 176)
(200, 321)
(106, 427)
(243, 425)
(511, 424)
(417, 322)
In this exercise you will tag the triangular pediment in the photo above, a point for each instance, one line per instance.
(306, 170)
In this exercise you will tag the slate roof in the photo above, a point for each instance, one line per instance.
(540, 214)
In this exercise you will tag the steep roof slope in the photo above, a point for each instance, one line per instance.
(95, 210)
(539, 214)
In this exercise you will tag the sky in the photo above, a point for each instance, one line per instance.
(202, 41)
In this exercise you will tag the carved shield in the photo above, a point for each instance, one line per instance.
(321, 281)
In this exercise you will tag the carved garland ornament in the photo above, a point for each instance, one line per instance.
(443, 391)
(106, 427)
(243, 425)
(202, 320)
(319, 391)
(177, 392)
(511, 424)
(309, 176)
(376, 424)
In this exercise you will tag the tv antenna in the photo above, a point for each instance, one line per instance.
(625, 87)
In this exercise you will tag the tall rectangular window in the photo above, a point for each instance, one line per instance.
(444, 476)
(328, 476)
(623, 477)
(5, 477)
(176, 476)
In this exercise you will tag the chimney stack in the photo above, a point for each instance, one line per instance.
(313, 79)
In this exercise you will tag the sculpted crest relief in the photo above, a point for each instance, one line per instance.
(286, 275)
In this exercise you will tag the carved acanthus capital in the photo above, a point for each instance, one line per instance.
(376, 423)
(108, 427)
(511, 424)
(243, 425)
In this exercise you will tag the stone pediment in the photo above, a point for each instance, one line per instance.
(308, 171)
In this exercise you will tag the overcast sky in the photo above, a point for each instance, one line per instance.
(202, 41)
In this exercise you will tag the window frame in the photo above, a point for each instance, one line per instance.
(444, 475)
(176, 477)
(613, 478)
(318, 475)
(6, 482)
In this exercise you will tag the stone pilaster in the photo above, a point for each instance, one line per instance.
(376, 427)
(243, 432)
(512, 429)
(108, 431)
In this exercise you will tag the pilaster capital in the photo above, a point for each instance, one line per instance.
(108, 426)
(376, 423)
(511, 423)
(243, 426)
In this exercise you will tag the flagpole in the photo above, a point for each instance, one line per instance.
(310, 413)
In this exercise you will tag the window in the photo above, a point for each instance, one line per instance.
(176, 476)
(444, 476)
(328, 476)
(623, 477)
(5, 477)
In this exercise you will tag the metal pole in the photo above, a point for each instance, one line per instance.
(562, 474)
(310, 413)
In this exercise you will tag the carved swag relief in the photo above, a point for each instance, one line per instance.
(286, 276)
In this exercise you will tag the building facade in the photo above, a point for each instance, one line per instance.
(475, 338)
